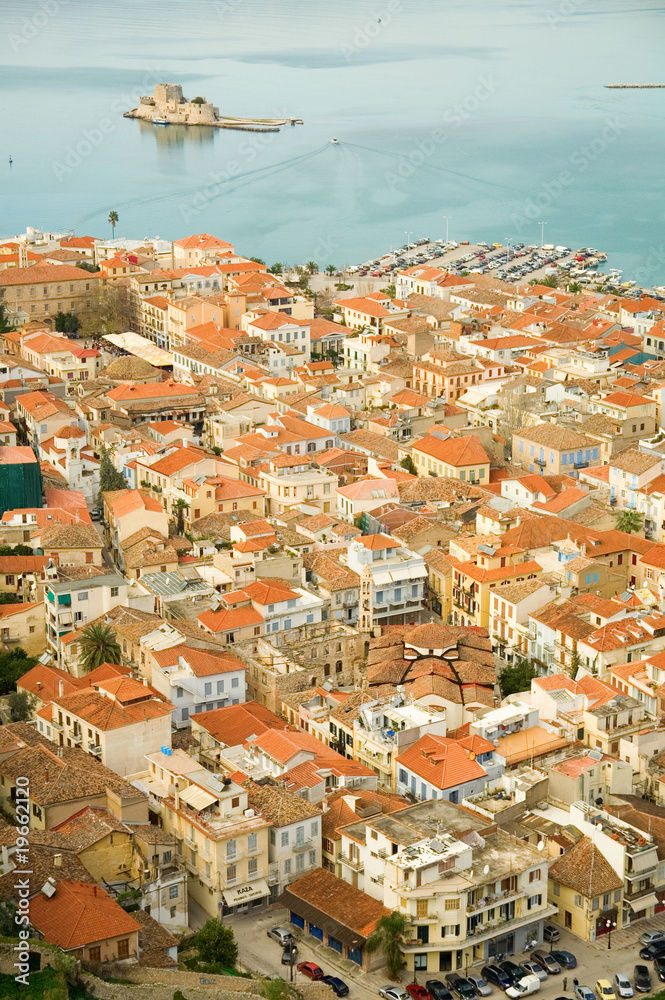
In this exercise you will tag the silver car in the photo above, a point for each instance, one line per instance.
(622, 985)
(534, 969)
(393, 993)
(280, 934)
(480, 985)
(583, 992)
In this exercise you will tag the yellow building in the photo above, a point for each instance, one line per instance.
(103, 844)
(484, 569)
(23, 625)
(439, 583)
(223, 842)
(586, 891)
(294, 482)
(462, 458)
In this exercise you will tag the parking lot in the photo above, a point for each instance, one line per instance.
(260, 954)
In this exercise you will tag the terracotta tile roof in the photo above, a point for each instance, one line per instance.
(122, 502)
(585, 869)
(39, 274)
(281, 806)
(459, 452)
(45, 682)
(555, 436)
(70, 536)
(79, 914)
(377, 444)
(634, 460)
(202, 662)
(340, 814)
(90, 825)
(441, 762)
(236, 724)
(228, 619)
(339, 901)
(106, 714)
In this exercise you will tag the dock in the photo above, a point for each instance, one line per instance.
(635, 86)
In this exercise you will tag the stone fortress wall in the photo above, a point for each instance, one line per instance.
(168, 102)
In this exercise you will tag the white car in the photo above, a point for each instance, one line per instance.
(622, 985)
(393, 993)
(527, 984)
(534, 969)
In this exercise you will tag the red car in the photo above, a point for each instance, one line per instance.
(418, 992)
(310, 969)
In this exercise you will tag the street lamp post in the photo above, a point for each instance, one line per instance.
(293, 952)
(611, 925)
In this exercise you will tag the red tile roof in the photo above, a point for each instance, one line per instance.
(458, 452)
(443, 763)
(235, 724)
(79, 914)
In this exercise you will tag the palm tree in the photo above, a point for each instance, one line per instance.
(629, 521)
(330, 270)
(389, 935)
(113, 221)
(574, 287)
(312, 267)
(98, 644)
(276, 268)
(179, 507)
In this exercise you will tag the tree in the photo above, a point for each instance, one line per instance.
(15, 550)
(330, 270)
(514, 413)
(67, 322)
(21, 705)
(7, 918)
(111, 311)
(408, 464)
(113, 221)
(629, 521)
(257, 260)
(5, 325)
(574, 665)
(549, 281)
(216, 944)
(179, 507)
(389, 935)
(98, 644)
(312, 267)
(13, 666)
(390, 291)
(109, 477)
(276, 268)
(516, 678)
(574, 287)
(87, 265)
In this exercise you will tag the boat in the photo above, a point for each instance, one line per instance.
(10, 161)
(334, 140)
(160, 121)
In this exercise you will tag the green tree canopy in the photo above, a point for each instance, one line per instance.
(629, 521)
(516, 678)
(67, 322)
(216, 945)
(98, 644)
(5, 325)
(109, 477)
(113, 221)
(389, 935)
(408, 464)
(21, 705)
(12, 666)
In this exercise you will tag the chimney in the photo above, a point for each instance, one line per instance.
(57, 860)
(61, 688)
(46, 774)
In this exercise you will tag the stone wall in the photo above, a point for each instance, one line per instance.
(142, 983)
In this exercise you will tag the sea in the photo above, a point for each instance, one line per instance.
(483, 119)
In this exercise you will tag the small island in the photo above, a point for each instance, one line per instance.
(167, 106)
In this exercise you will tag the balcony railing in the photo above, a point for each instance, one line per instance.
(355, 863)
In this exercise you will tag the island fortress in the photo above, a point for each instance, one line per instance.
(168, 105)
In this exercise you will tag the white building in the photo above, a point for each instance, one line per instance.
(195, 680)
(394, 575)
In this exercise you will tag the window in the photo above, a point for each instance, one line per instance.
(285, 838)
(252, 866)
(179, 692)
(422, 907)
(235, 802)
(231, 873)
(556, 888)
(83, 595)
(173, 892)
(594, 903)
(452, 904)
(287, 866)
(252, 842)
(94, 954)
(231, 848)
(312, 858)
(114, 591)
(220, 687)
(534, 876)
(578, 899)
(166, 857)
(420, 961)
(273, 838)
(314, 828)
(123, 948)
(208, 688)
(234, 682)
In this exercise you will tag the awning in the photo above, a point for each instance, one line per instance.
(244, 893)
(381, 579)
(197, 798)
(641, 904)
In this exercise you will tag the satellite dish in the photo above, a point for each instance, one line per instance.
(541, 844)
(486, 869)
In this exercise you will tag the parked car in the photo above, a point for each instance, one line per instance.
(642, 979)
(564, 958)
(583, 992)
(290, 954)
(338, 986)
(438, 990)
(650, 937)
(480, 985)
(311, 970)
(549, 964)
(622, 985)
(513, 970)
(494, 974)
(280, 934)
(461, 986)
(526, 985)
(393, 993)
(652, 951)
(659, 966)
(417, 992)
(534, 969)
(605, 990)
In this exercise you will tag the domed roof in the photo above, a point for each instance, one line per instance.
(70, 432)
(129, 369)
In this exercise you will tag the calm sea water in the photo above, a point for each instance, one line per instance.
(490, 112)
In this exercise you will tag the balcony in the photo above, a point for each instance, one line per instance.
(77, 737)
(354, 863)
(638, 893)
(303, 845)
(487, 902)
(59, 726)
(191, 844)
